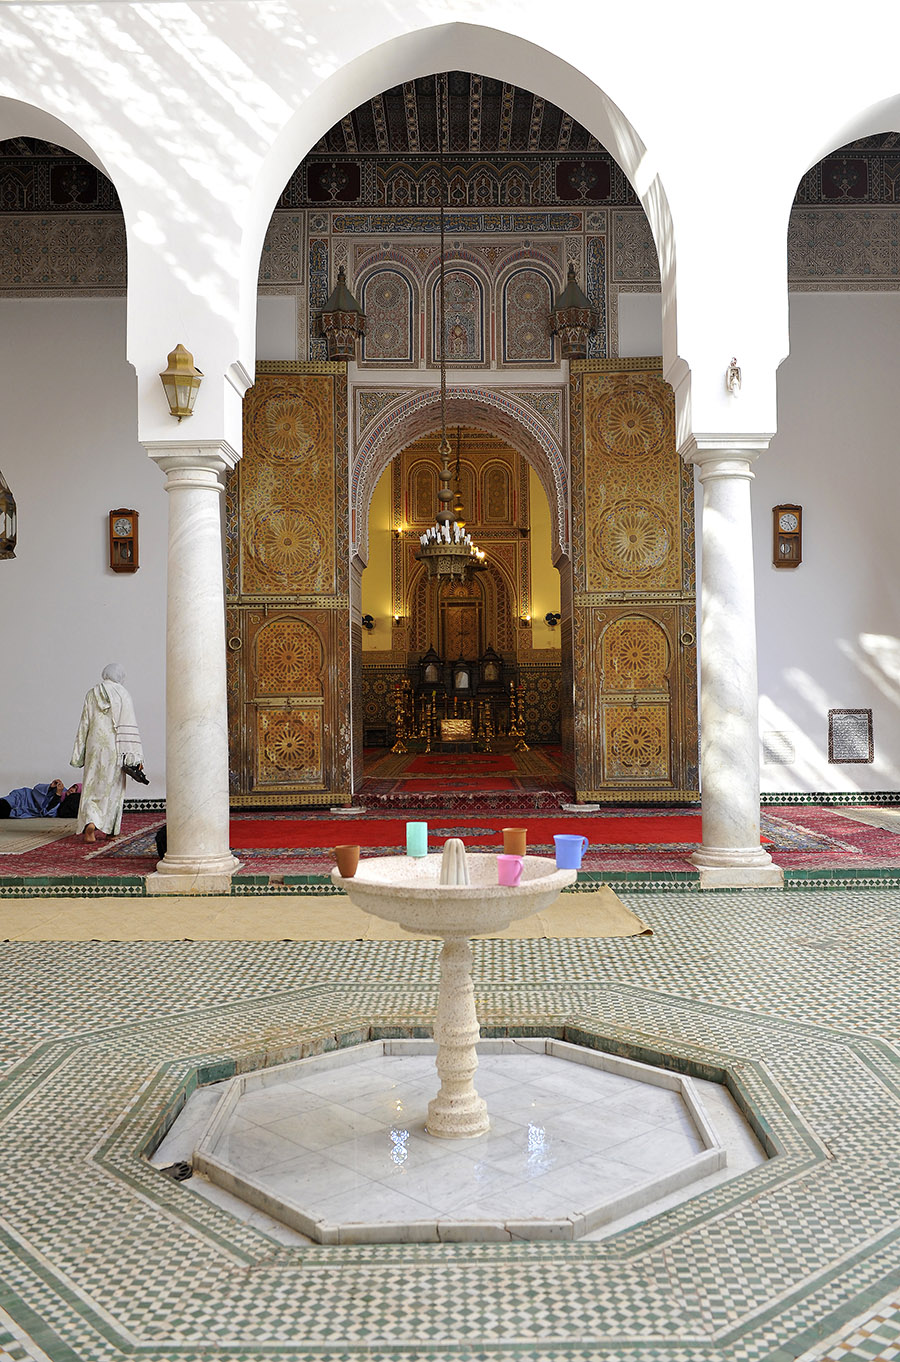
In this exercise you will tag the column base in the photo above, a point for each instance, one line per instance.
(737, 868)
(457, 1119)
(188, 875)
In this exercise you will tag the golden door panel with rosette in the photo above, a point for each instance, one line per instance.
(286, 703)
(636, 743)
(288, 748)
(288, 489)
(632, 484)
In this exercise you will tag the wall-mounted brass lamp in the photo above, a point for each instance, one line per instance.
(7, 521)
(181, 382)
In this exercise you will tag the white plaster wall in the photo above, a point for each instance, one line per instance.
(829, 630)
(69, 451)
(276, 327)
(640, 324)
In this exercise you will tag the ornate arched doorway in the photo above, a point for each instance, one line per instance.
(484, 631)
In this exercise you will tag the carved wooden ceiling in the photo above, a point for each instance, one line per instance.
(485, 115)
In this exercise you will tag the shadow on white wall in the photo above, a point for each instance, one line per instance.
(877, 658)
(809, 768)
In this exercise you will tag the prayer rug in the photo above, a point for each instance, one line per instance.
(458, 784)
(470, 764)
(396, 780)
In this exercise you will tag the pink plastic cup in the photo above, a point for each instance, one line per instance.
(509, 869)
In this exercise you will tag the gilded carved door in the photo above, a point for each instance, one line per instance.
(286, 701)
(288, 596)
(633, 652)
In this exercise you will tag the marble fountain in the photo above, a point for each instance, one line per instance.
(354, 1145)
(455, 897)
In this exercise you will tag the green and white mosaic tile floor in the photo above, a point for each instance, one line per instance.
(793, 997)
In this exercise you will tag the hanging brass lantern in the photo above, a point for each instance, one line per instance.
(445, 548)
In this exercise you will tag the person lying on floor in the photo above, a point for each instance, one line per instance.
(51, 800)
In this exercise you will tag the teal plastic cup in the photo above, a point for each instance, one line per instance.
(417, 839)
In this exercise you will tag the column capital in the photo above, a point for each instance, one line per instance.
(214, 456)
(713, 448)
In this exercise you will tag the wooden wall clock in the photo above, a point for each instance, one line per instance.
(123, 540)
(787, 531)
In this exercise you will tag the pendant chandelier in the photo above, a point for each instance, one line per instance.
(445, 548)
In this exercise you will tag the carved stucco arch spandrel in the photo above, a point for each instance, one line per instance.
(416, 414)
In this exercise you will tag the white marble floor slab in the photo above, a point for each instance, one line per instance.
(349, 1145)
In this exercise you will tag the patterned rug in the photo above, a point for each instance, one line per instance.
(812, 838)
(473, 781)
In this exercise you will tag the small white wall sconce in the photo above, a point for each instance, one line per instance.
(733, 377)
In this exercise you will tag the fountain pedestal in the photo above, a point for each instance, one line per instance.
(457, 1111)
(407, 890)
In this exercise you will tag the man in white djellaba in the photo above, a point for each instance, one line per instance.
(106, 742)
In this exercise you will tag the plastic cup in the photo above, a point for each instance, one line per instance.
(515, 841)
(569, 850)
(347, 858)
(509, 869)
(417, 839)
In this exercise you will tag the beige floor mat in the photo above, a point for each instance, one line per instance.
(27, 834)
(889, 819)
(273, 917)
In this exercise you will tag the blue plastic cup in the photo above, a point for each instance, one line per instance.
(569, 850)
(417, 839)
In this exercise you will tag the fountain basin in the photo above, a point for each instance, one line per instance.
(335, 1145)
(407, 890)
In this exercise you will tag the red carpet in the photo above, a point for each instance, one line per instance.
(807, 838)
(467, 782)
(651, 830)
(470, 765)
(457, 783)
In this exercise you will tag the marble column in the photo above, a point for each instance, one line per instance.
(731, 855)
(197, 859)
